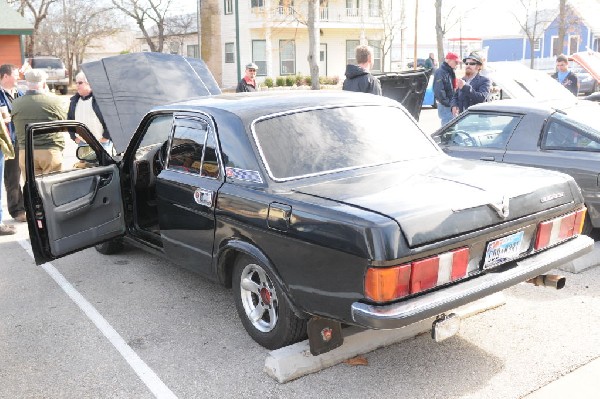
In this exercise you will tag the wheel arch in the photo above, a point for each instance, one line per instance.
(234, 248)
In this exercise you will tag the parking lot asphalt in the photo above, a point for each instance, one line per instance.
(136, 326)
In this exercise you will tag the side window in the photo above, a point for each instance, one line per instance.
(210, 163)
(480, 130)
(187, 146)
(564, 136)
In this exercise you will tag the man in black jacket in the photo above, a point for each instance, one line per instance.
(444, 83)
(358, 77)
(84, 108)
(564, 76)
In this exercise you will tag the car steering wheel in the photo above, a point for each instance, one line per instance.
(463, 138)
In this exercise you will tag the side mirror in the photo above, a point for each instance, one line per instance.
(86, 153)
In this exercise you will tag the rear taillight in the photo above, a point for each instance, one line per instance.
(559, 229)
(390, 283)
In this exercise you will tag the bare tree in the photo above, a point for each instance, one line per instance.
(443, 25)
(178, 27)
(145, 12)
(392, 24)
(532, 21)
(73, 28)
(38, 11)
(314, 43)
(568, 22)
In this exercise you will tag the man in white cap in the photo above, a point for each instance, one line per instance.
(248, 82)
(37, 105)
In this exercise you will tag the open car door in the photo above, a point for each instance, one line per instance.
(74, 208)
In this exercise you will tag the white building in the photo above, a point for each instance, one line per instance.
(273, 35)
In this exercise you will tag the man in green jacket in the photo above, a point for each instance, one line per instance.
(37, 105)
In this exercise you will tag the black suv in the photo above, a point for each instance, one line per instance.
(58, 77)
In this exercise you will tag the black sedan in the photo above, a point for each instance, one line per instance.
(557, 135)
(317, 208)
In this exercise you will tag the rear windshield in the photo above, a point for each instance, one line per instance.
(325, 140)
(54, 63)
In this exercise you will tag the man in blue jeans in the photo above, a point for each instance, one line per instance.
(444, 83)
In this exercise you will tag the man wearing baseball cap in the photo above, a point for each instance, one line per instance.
(473, 88)
(248, 82)
(443, 87)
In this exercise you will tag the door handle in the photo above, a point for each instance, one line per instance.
(487, 158)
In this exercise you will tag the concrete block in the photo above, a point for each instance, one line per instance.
(584, 262)
(295, 361)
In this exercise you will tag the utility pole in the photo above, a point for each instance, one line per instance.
(199, 26)
(416, 24)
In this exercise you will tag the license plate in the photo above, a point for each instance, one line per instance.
(503, 249)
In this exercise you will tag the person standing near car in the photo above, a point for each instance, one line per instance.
(444, 83)
(84, 108)
(358, 77)
(430, 63)
(37, 105)
(564, 76)
(6, 151)
(473, 88)
(9, 75)
(248, 82)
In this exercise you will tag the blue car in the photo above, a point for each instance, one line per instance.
(429, 98)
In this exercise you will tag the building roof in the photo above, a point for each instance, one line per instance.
(588, 11)
(13, 23)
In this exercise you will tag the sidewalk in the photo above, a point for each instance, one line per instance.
(581, 383)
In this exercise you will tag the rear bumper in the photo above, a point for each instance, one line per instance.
(413, 310)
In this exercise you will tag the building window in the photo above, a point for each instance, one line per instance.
(259, 56)
(257, 3)
(351, 51)
(374, 8)
(537, 44)
(352, 8)
(229, 53)
(287, 57)
(192, 51)
(573, 44)
(228, 7)
(556, 47)
(376, 46)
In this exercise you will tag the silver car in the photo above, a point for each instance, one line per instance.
(562, 135)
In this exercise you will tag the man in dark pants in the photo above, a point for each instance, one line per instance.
(9, 75)
(358, 77)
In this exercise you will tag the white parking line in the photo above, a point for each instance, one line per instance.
(149, 377)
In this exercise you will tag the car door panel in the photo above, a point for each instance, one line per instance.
(72, 209)
(80, 209)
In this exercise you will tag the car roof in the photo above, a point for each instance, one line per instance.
(249, 106)
(532, 105)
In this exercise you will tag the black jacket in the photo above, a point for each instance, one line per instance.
(475, 92)
(443, 84)
(570, 82)
(357, 79)
(71, 115)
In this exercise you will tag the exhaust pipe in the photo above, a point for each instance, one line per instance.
(549, 280)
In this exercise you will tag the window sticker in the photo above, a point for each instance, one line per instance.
(242, 174)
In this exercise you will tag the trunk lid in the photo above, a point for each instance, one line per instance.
(433, 199)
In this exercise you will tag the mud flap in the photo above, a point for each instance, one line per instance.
(324, 335)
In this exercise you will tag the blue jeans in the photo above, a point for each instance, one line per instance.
(444, 113)
(1, 179)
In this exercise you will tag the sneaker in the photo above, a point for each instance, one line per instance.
(6, 229)
(20, 217)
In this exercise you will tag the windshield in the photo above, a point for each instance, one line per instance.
(54, 63)
(518, 81)
(331, 139)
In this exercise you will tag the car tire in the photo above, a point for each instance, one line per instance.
(110, 247)
(63, 90)
(263, 307)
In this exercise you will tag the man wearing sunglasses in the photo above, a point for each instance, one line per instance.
(248, 82)
(473, 88)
